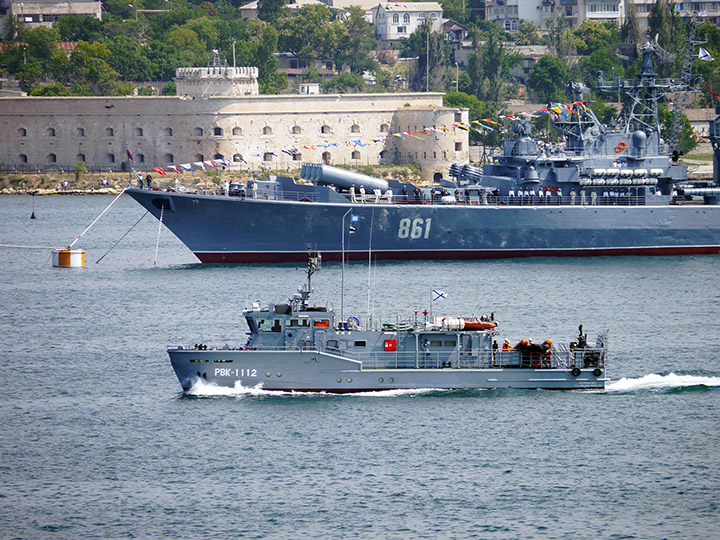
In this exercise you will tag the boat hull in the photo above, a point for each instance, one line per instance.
(314, 371)
(238, 230)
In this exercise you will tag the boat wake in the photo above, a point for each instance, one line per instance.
(655, 382)
(206, 389)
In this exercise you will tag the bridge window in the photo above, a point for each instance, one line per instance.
(270, 325)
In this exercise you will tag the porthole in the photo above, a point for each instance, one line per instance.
(349, 379)
(268, 374)
(339, 379)
(391, 379)
(380, 379)
(279, 374)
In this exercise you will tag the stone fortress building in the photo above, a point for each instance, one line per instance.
(219, 114)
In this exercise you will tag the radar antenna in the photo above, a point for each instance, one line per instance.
(682, 97)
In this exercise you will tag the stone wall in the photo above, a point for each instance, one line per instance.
(53, 133)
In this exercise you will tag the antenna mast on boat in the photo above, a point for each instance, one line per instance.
(370, 316)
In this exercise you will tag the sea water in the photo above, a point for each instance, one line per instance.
(98, 440)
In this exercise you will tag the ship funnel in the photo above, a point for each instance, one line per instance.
(325, 175)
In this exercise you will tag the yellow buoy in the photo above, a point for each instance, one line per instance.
(67, 257)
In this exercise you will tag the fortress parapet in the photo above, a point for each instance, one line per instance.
(219, 81)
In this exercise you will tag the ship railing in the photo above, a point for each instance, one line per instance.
(558, 359)
(561, 357)
(505, 200)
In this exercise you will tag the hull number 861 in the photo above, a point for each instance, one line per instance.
(415, 228)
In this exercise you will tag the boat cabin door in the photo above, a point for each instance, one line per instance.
(319, 339)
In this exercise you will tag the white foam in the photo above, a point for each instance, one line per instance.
(664, 382)
(205, 389)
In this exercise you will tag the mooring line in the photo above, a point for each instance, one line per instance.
(157, 243)
(93, 223)
(123, 236)
(26, 247)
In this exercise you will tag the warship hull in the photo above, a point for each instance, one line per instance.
(315, 371)
(244, 230)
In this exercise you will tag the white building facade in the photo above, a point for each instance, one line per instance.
(396, 21)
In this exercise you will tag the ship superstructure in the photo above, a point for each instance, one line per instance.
(610, 190)
(300, 346)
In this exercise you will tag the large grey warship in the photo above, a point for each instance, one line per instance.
(611, 190)
(296, 346)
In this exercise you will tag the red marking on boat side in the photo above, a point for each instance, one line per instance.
(278, 257)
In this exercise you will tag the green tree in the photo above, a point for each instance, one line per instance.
(548, 78)
(311, 33)
(346, 83)
(255, 47)
(688, 140)
(560, 37)
(489, 68)
(433, 54)
(528, 34)
(592, 36)
(130, 59)
(51, 90)
(91, 70)
(78, 27)
(271, 10)
(356, 42)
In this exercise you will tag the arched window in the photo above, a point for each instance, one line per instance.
(199, 157)
(169, 158)
(109, 159)
(326, 158)
(237, 131)
(217, 131)
(396, 18)
(22, 158)
(22, 132)
(325, 129)
(198, 132)
(50, 132)
(80, 132)
(267, 130)
(355, 128)
(51, 158)
(138, 132)
(383, 156)
(406, 18)
(237, 158)
(168, 132)
(219, 156)
(80, 157)
(356, 154)
(109, 132)
(384, 128)
(267, 156)
(296, 130)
